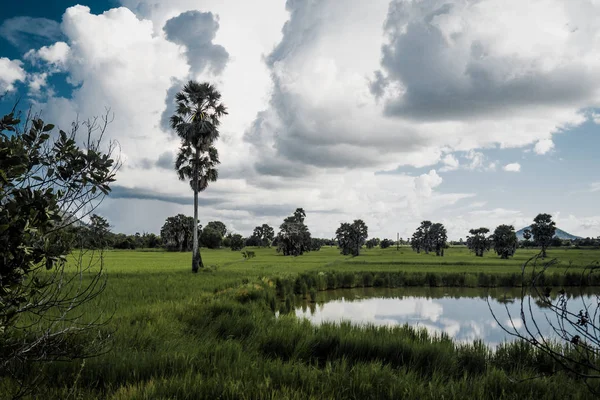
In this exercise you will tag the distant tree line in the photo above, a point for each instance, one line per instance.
(504, 240)
(294, 237)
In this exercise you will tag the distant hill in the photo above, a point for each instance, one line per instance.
(559, 232)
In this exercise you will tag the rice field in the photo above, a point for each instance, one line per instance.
(215, 334)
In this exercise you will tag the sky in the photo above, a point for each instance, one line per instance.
(466, 112)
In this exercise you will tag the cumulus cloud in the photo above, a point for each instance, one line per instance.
(424, 184)
(196, 31)
(512, 167)
(11, 71)
(543, 146)
(27, 32)
(311, 120)
(37, 82)
(55, 56)
(127, 69)
(465, 64)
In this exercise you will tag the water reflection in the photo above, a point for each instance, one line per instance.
(461, 313)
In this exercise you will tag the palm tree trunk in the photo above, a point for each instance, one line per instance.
(196, 259)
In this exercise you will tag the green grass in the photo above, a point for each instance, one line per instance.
(179, 335)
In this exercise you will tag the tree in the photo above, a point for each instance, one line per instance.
(543, 230)
(253, 241)
(294, 237)
(218, 226)
(236, 241)
(439, 237)
(151, 241)
(264, 234)
(478, 242)
(196, 121)
(177, 233)
(430, 237)
(316, 244)
(211, 238)
(527, 234)
(372, 243)
(385, 243)
(351, 237)
(556, 242)
(48, 184)
(505, 241)
(421, 239)
(98, 232)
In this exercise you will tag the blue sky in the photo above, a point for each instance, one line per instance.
(471, 114)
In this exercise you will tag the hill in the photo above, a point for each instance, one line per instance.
(559, 232)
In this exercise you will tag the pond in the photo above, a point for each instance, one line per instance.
(461, 313)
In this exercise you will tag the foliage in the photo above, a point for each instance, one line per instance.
(196, 121)
(48, 183)
(478, 242)
(505, 241)
(99, 232)
(223, 326)
(316, 244)
(253, 241)
(543, 229)
(439, 237)
(263, 235)
(372, 243)
(236, 241)
(430, 237)
(211, 238)
(248, 254)
(218, 226)
(294, 237)
(385, 243)
(177, 233)
(351, 237)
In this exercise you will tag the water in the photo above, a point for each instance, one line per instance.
(461, 313)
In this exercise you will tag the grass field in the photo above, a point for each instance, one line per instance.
(179, 335)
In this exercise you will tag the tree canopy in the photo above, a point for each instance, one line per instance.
(177, 233)
(505, 241)
(48, 183)
(264, 235)
(351, 237)
(479, 242)
(430, 237)
(294, 237)
(543, 230)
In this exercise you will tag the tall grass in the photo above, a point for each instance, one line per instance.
(216, 335)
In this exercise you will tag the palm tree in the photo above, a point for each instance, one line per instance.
(196, 121)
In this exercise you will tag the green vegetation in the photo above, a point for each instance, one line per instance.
(215, 335)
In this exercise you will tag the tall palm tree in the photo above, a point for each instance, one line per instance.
(196, 121)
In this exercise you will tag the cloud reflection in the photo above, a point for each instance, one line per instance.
(463, 319)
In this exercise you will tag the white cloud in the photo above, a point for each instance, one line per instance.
(595, 187)
(543, 146)
(11, 71)
(37, 82)
(425, 183)
(303, 121)
(477, 204)
(513, 167)
(55, 56)
(450, 163)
